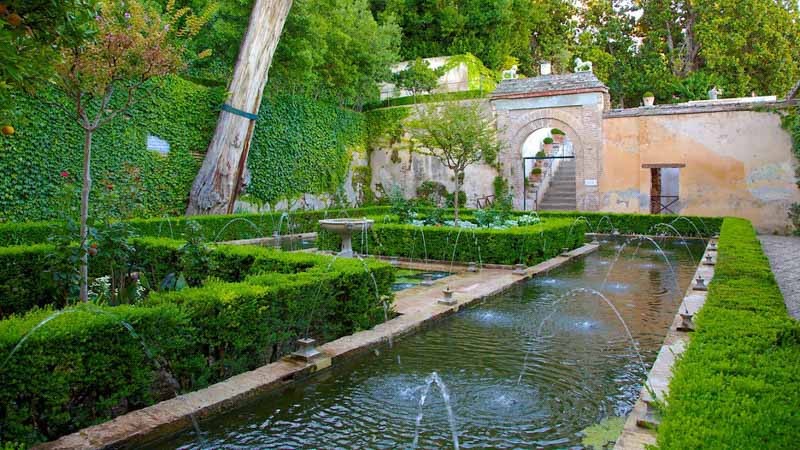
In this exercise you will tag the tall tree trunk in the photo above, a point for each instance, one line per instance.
(455, 199)
(87, 187)
(217, 183)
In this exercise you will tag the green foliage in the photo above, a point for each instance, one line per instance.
(31, 34)
(47, 143)
(737, 386)
(547, 140)
(336, 50)
(431, 98)
(525, 244)
(648, 94)
(458, 135)
(301, 146)
(84, 367)
(384, 127)
(432, 193)
(492, 30)
(556, 131)
(418, 77)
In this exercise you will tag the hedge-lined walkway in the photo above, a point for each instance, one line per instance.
(784, 258)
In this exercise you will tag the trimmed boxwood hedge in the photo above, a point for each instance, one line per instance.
(212, 228)
(526, 244)
(84, 367)
(738, 383)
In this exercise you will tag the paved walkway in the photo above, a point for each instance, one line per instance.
(784, 257)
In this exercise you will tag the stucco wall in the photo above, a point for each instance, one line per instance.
(412, 169)
(737, 163)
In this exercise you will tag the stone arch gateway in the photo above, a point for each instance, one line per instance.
(573, 103)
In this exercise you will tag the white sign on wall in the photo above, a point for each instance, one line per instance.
(590, 182)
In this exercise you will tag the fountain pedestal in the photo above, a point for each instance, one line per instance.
(345, 228)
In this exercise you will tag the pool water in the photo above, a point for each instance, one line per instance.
(406, 279)
(525, 369)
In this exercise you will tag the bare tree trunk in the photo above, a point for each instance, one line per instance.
(455, 199)
(216, 185)
(87, 187)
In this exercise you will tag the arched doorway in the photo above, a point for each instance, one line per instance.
(548, 168)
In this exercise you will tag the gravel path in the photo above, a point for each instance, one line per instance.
(784, 257)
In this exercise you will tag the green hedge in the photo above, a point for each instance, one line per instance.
(223, 227)
(738, 384)
(527, 244)
(24, 279)
(84, 367)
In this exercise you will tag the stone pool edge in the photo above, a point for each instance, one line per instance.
(639, 430)
(417, 307)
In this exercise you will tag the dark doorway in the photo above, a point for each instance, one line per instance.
(664, 188)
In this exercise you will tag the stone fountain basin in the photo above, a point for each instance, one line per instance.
(346, 226)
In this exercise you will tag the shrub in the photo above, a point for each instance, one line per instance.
(737, 384)
(84, 367)
(541, 154)
(547, 140)
(524, 244)
(557, 131)
(648, 94)
(536, 171)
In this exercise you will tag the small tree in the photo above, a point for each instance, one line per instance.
(102, 77)
(418, 77)
(458, 135)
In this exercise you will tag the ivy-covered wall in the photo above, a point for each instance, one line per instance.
(300, 146)
(47, 143)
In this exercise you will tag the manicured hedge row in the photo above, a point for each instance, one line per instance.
(642, 223)
(84, 366)
(528, 245)
(212, 228)
(738, 384)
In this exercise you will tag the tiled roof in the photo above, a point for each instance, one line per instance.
(580, 81)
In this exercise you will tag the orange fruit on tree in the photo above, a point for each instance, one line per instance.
(14, 19)
(8, 130)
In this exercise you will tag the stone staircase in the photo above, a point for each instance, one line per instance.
(561, 193)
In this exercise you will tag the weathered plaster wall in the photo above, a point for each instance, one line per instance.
(412, 169)
(738, 163)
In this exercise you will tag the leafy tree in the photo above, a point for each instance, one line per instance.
(102, 77)
(335, 49)
(31, 32)
(418, 77)
(456, 134)
(746, 45)
(492, 30)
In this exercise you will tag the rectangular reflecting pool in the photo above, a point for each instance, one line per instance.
(531, 367)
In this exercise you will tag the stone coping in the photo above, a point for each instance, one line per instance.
(417, 307)
(639, 430)
(696, 108)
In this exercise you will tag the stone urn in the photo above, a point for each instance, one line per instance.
(345, 229)
(648, 99)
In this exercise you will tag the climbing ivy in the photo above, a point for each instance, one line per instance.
(301, 146)
(48, 144)
(384, 127)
